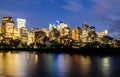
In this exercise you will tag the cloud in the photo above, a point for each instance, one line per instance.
(101, 8)
(14, 14)
(72, 5)
(106, 9)
(8, 13)
(24, 2)
(101, 4)
(116, 24)
(108, 12)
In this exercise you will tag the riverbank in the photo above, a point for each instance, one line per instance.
(68, 50)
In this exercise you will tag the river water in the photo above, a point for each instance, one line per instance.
(32, 64)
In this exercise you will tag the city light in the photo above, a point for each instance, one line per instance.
(21, 23)
(106, 32)
(61, 34)
(19, 19)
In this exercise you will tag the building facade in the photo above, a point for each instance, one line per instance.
(24, 34)
(8, 29)
(76, 33)
(31, 37)
(20, 23)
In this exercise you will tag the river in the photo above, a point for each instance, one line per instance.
(34, 64)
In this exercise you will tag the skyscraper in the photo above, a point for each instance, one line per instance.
(20, 23)
(6, 20)
(8, 28)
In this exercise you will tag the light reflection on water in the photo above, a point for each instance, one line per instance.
(32, 64)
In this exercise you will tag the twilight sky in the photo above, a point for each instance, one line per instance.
(103, 14)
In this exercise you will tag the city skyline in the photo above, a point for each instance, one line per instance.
(103, 14)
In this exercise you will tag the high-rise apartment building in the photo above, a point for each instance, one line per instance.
(24, 34)
(76, 33)
(31, 37)
(61, 25)
(8, 29)
(65, 32)
(20, 24)
(6, 20)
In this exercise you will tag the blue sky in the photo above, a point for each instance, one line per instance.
(103, 14)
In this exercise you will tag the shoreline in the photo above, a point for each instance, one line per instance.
(104, 51)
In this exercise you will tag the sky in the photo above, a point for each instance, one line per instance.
(103, 14)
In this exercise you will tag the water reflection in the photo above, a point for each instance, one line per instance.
(32, 64)
(106, 66)
(7, 63)
(16, 64)
(63, 65)
(85, 64)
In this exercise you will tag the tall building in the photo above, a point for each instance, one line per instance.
(31, 37)
(34, 30)
(65, 36)
(46, 31)
(85, 31)
(61, 25)
(54, 34)
(65, 31)
(24, 34)
(8, 29)
(20, 23)
(6, 20)
(101, 35)
(50, 27)
(85, 26)
(92, 28)
(1, 36)
(76, 33)
(39, 36)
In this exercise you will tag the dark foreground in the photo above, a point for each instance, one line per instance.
(69, 50)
